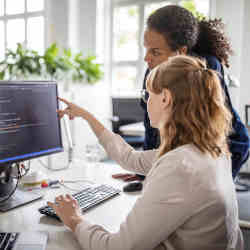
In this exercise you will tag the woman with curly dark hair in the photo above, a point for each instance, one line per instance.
(173, 30)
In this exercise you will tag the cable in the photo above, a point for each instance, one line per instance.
(51, 169)
(70, 159)
(43, 164)
(17, 181)
(12, 192)
(69, 147)
(62, 183)
(22, 170)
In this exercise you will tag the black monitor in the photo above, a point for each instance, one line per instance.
(29, 125)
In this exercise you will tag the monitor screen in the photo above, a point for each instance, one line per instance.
(29, 124)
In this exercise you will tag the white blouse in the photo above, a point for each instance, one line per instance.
(188, 202)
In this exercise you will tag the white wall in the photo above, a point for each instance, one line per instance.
(96, 100)
(87, 25)
(72, 23)
(236, 16)
(57, 22)
(245, 59)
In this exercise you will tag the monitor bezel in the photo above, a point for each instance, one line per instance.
(42, 83)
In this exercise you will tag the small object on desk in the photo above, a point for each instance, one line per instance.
(32, 184)
(132, 178)
(133, 187)
(53, 182)
(40, 188)
(33, 178)
(127, 177)
(121, 176)
(44, 184)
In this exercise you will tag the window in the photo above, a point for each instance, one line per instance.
(22, 21)
(126, 20)
(2, 39)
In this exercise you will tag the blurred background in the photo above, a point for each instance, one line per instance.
(107, 36)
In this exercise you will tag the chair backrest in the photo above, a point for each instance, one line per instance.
(126, 111)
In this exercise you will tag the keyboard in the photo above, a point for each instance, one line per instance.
(87, 198)
(7, 240)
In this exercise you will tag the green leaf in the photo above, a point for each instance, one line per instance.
(190, 5)
(55, 63)
(2, 74)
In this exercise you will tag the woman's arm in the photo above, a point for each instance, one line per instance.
(73, 111)
(167, 202)
(115, 146)
(126, 156)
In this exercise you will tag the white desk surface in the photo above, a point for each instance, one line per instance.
(133, 129)
(109, 214)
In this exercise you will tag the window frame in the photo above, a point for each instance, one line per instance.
(25, 16)
(139, 63)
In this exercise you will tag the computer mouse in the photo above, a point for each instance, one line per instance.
(133, 187)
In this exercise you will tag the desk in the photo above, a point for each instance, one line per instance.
(133, 129)
(109, 214)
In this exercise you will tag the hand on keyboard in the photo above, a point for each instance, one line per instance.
(68, 210)
(87, 198)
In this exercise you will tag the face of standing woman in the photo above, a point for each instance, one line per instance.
(157, 49)
(157, 52)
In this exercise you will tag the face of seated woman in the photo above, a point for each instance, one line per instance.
(158, 106)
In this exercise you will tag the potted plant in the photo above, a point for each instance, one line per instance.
(55, 64)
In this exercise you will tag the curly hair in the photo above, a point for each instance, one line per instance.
(180, 28)
(199, 115)
(212, 40)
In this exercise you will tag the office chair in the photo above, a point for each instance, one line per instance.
(127, 111)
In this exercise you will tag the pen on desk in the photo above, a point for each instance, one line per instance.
(50, 183)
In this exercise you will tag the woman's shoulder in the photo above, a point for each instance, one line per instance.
(182, 151)
(213, 62)
(187, 164)
(182, 155)
(189, 159)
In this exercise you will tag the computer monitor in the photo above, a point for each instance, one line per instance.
(29, 125)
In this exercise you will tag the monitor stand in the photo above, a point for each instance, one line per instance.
(7, 186)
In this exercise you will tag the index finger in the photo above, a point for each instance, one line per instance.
(70, 197)
(64, 100)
